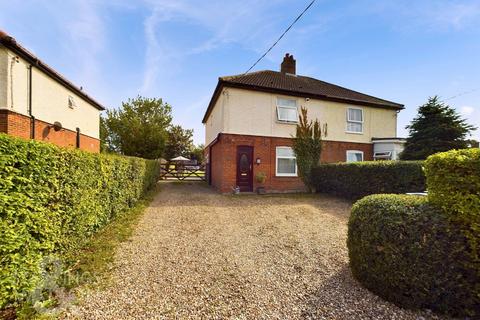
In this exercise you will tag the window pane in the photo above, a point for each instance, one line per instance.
(285, 152)
(287, 114)
(286, 166)
(244, 165)
(355, 115)
(354, 156)
(354, 127)
(286, 102)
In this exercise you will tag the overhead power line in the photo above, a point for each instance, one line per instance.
(283, 34)
(461, 94)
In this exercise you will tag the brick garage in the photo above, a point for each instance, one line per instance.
(222, 155)
(19, 125)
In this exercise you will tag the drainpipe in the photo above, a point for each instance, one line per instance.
(77, 141)
(30, 108)
(15, 59)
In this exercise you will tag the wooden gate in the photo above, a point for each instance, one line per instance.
(182, 171)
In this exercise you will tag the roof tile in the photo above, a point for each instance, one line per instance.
(274, 80)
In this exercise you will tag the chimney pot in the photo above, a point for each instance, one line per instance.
(288, 65)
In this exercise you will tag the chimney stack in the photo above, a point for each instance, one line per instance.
(288, 65)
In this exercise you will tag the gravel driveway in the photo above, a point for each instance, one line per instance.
(198, 254)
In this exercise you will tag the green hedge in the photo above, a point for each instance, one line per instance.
(359, 179)
(409, 252)
(453, 179)
(52, 199)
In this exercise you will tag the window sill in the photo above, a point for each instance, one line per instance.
(286, 175)
(286, 122)
(353, 132)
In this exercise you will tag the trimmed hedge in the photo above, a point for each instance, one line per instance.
(359, 179)
(453, 179)
(409, 252)
(52, 199)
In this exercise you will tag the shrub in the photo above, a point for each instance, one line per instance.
(358, 179)
(453, 179)
(53, 199)
(307, 145)
(409, 252)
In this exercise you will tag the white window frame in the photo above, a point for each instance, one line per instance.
(283, 157)
(286, 107)
(353, 152)
(382, 155)
(354, 121)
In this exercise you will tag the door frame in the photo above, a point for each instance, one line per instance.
(237, 171)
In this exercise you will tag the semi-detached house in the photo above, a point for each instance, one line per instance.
(251, 119)
(36, 102)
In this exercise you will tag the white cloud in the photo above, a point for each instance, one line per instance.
(218, 22)
(154, 52)
(87, 40)
(411, 15)
(470, 114)
(456, 15)
(467, 110)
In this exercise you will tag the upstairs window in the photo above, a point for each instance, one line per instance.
(355, 120)
(287, 110)
(286, 162)
(354, 156)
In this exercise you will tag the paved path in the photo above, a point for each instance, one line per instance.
(198, 254)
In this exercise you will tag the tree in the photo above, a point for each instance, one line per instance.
(197, 153)
(472, 143)
(179, 142)
(105, 144)
(437, 128)
(307, 145)
(139, 128)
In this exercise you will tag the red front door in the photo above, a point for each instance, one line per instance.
(245, 168)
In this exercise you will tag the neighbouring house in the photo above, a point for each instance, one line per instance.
(36, 102)
(251, 119)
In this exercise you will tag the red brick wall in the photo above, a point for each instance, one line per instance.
(19, 125)
(3, 121)
(336, 151)
(62, 138)
(223, 157)
(216, 158)
(16, 124)
(223, 163)
(89, 144)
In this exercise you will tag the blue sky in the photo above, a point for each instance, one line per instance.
(398, 50)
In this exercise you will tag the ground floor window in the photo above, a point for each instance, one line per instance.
(354, 155)
(286, 162)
